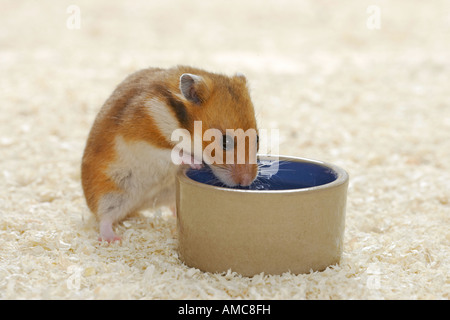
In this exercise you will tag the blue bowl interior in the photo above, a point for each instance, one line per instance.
(275, 175)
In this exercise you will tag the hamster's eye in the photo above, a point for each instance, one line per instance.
(228, 142)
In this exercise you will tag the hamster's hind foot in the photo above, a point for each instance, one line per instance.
(107, 233)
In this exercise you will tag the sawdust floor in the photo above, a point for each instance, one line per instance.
(375, 102)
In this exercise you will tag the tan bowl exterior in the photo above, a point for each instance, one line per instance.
(251, 231)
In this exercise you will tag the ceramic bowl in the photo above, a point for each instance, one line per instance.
(291, 219)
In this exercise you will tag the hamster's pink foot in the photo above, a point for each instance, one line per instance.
(107, 233)
(189, 159)
(196, 166)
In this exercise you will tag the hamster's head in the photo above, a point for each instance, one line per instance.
(224, 115)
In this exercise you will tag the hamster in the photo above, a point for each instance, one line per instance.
(127, 164)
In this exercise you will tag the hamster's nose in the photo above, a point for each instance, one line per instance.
(245, 180)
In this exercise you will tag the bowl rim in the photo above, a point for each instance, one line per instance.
(342, 178)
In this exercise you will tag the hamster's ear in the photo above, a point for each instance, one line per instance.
(240, 76)
(193, 88)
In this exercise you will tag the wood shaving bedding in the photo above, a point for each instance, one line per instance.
(374, 102)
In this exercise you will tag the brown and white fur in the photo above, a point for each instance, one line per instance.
(127, 166)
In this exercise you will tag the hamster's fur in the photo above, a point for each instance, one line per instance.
(127, 166)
